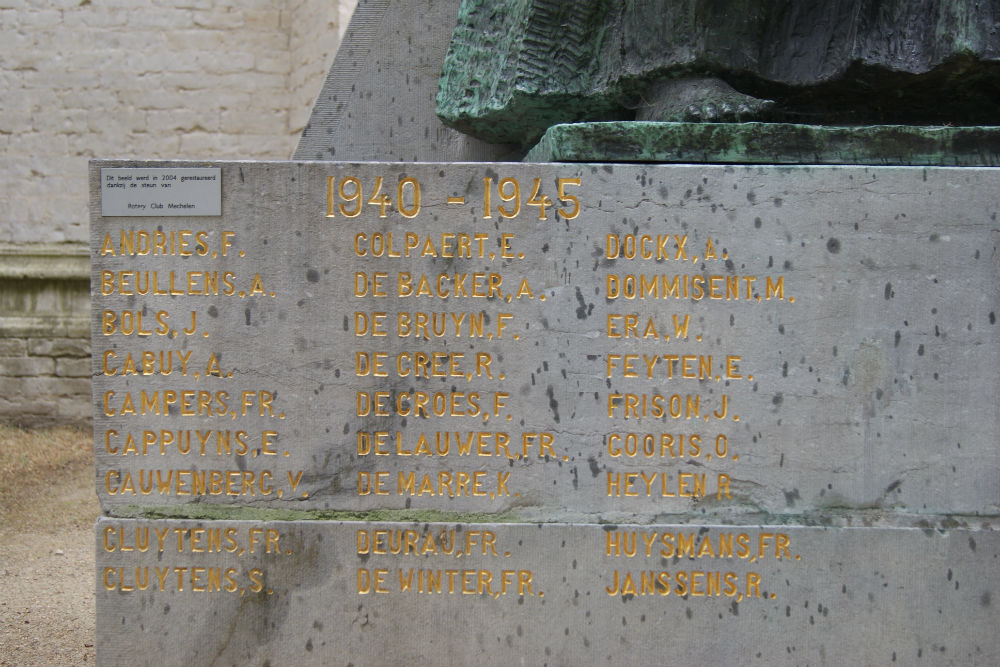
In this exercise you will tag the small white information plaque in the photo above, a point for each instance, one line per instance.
(161, 191)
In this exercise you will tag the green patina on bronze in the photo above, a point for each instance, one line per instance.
(497, 85)
(517, 67)
(768, 143)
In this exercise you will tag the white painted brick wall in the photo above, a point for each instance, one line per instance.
(193, 79)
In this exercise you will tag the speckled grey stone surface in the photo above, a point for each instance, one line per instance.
(377, 102)
(869, 382)
(326, 596)
(847, 424)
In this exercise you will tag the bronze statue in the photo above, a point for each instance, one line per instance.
(516, 67)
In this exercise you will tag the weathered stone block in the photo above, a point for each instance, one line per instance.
(59, 347)
(317, 593)
(29, 412)
(377, 102)
(74, 368)
(26, 366)
(73, 410)
(719, 339)
(12, 347)
(51, 387)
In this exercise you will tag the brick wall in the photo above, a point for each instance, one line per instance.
(150, 79)
(155, 79)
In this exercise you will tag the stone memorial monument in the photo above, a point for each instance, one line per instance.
(404, 401)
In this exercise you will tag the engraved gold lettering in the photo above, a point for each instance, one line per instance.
(658, 445)
(447, 286)
(687, 286)
(637, 406)
(178, 243)
(193, 482)
(663, 485)
(170, 283)
(561, 185)
(184, 403)
(411, 244)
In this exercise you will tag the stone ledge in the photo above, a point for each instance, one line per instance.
(768, 143)
(45, 288)
(44, 261)
(39, 326)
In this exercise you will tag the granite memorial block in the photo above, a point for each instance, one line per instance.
(441, 413)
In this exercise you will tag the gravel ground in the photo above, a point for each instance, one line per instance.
(47, 599)
(47, 570)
